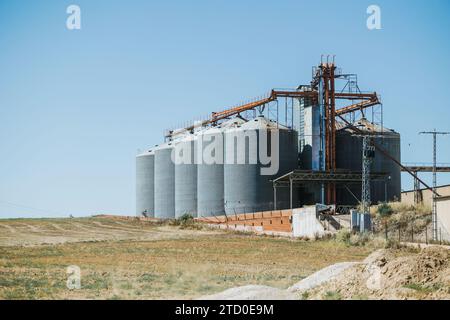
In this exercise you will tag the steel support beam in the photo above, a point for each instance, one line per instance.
(274, 196)
(290, 191)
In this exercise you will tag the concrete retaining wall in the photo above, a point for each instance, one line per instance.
(305, 223)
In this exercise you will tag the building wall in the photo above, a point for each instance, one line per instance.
(408, 196)
(443, 218)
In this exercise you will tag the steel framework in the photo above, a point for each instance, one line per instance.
(416, 168)
(420, 168)
(299, 177)
(321, 92)
(434, 210)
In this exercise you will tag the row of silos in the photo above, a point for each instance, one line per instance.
(248, 183)
(213, 171)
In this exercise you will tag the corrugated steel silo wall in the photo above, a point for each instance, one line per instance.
(288, 162)
(186, 182)
(145, 184)
(210, 183)
(245, 189)
(241, 181)
(164, 184)
(349, 156)
(383, 164)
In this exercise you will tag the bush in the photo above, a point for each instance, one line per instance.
(343, 236)
(186, 221)
(355, 239)
(392, 244)
(332, 295)
(305, 295)
(186, 218)
(398, 207)
(384, 210)
(359, 239)
(378, 242)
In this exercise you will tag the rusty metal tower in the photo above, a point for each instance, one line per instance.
(324, 81)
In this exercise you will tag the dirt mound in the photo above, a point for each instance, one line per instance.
(251, 292)
(385, 275)
(321, 276)
(257, 292)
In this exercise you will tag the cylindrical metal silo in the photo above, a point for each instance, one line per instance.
(210, 172)
(246, 187)
(145, 163)
(185, 176)
(349, 156)
(164, 182)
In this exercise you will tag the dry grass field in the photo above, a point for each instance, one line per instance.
(127, 259)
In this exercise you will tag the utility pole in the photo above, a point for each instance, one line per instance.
(363, 220)
(434, 208)
(367, 157)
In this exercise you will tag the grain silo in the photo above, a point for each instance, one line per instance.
(185, 176)
(145, 163)
(164, 182)
(210, 171)
(349, 156)
(246, 187)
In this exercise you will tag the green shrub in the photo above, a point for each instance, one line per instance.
(183, 221)
(332, 295)
(384, 210)
(186, 221)
(186, 218)
(424, 288)
(305, 295)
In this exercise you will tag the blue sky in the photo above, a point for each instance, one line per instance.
(76, 105)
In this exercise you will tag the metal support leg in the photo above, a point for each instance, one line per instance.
(416, 190)
(274, 197)
(290, 191)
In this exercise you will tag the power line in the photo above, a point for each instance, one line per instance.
(32, 208)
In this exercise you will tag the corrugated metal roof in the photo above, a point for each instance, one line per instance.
(364, 125)
(262, 122)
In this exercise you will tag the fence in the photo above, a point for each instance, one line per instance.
(416, 230)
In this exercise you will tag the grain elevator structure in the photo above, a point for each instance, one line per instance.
(287, 149)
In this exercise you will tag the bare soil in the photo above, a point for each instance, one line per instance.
(386, 275)
(127, 259)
